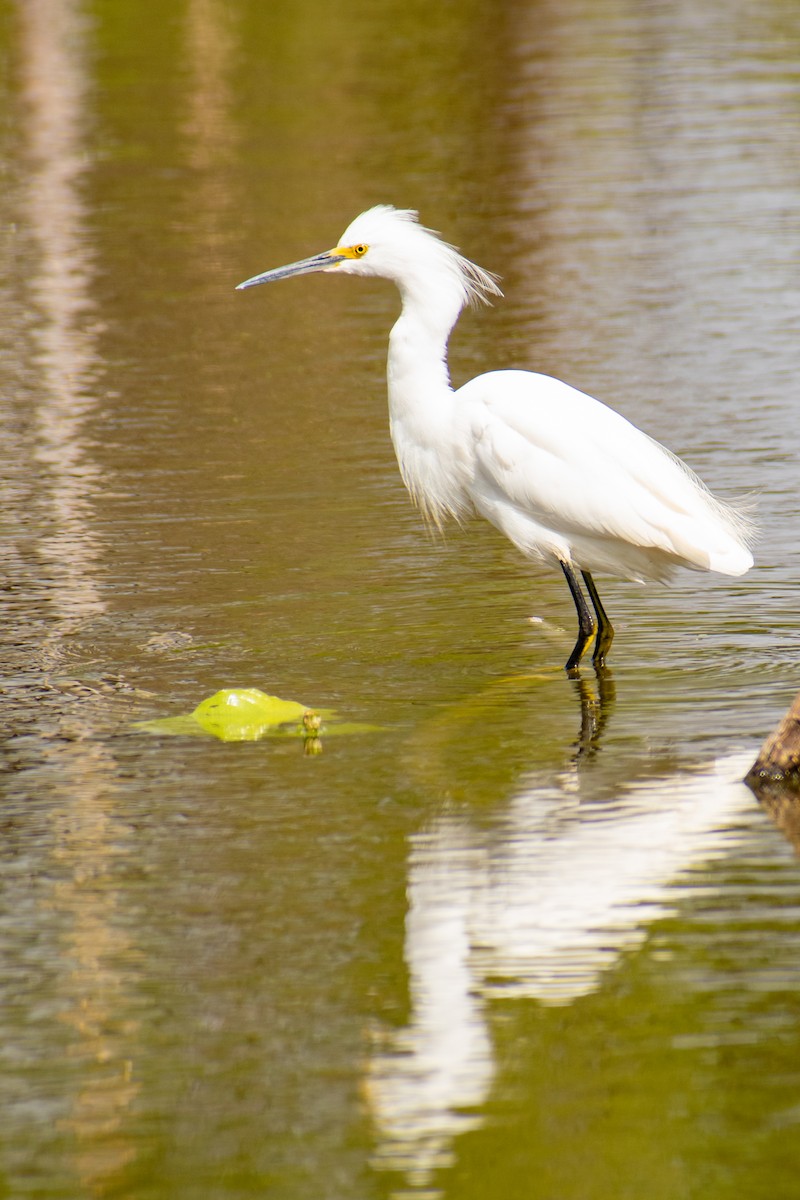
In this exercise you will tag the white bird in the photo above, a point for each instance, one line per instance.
(565, 478)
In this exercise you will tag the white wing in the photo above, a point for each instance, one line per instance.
(568, 464)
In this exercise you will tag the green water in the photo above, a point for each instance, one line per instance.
(527, 936)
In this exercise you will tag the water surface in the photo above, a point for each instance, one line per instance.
(533, 937)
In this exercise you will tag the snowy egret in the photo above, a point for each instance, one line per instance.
(566, 478)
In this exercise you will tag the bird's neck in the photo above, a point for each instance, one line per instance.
(417, 364)
(421, 404)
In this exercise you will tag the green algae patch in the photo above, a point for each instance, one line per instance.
(248, 715)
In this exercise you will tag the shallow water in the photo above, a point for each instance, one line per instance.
(532, 935)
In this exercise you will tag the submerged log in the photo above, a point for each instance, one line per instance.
(779, 758)
(775, 775)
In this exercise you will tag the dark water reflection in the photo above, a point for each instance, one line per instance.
(535, 936)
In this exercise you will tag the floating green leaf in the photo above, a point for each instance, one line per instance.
(245, 714)
(248, 714)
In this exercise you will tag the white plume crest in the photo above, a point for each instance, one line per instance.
(386, 224)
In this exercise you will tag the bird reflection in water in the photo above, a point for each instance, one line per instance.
(597, 697)
(537, 898)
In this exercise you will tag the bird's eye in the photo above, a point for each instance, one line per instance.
(360, 250)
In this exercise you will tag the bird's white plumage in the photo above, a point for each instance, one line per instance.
(566, 478)
(564, 475)
(561, 474)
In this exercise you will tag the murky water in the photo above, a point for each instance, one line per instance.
(532, 937)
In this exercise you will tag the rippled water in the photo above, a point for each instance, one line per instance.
(530, 935)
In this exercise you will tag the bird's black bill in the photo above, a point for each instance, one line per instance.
(318, 262)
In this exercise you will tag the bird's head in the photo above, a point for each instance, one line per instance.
(390, 243)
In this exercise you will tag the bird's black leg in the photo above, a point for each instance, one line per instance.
(586, 626)
(605, 630)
